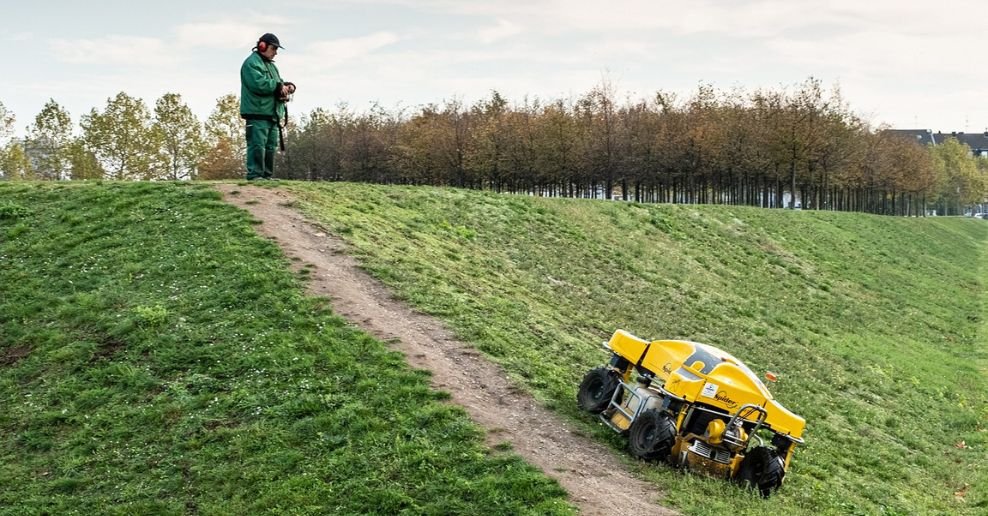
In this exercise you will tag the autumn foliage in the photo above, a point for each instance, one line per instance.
(799, 147)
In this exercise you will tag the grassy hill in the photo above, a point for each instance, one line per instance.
(157, 356)
(876, 325)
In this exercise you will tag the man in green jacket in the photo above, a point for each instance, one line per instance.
(262, 104)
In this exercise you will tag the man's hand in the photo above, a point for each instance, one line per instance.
(285, 91)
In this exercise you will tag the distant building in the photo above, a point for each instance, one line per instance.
(978, 142)
(921, 136)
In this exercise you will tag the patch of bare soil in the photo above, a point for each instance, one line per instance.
(108, 347)
(597, 481)
(14, 354)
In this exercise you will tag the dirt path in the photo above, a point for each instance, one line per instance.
(597, 481)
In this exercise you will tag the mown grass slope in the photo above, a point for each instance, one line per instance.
(158, 357)
(876, 325)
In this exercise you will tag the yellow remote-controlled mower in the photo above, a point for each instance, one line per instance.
(694, 406)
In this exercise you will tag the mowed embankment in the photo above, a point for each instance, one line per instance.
(875, 325)
(595, 477)
(157, 356)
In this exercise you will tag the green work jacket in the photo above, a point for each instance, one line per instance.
(259, 84)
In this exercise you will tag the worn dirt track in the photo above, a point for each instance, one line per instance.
(597, 481)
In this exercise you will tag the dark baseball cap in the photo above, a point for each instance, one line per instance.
(271, 39)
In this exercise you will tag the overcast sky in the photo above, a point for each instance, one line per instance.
(909, 64)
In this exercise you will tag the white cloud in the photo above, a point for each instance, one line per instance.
(890, 57)
(229, 34)
(217, 35)
(736, 18)
(18, 37)
(503, 29)
(327, 54)
(118, 50)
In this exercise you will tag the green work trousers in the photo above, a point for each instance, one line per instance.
(262, 143)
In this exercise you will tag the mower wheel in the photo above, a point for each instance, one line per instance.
(761, 469)
(597, 389)
(652, 435)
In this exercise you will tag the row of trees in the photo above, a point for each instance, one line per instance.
(126, 141)
(769, 148)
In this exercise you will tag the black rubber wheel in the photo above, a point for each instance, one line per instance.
(596, 389)
(652, 435)
(761, 469)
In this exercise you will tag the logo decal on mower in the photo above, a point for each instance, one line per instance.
(722, 397)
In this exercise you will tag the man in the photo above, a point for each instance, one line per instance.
(262, 104)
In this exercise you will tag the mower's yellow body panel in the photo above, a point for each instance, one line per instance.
(699, 373)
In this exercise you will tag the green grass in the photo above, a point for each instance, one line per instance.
(158, 357)
(875, 324)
